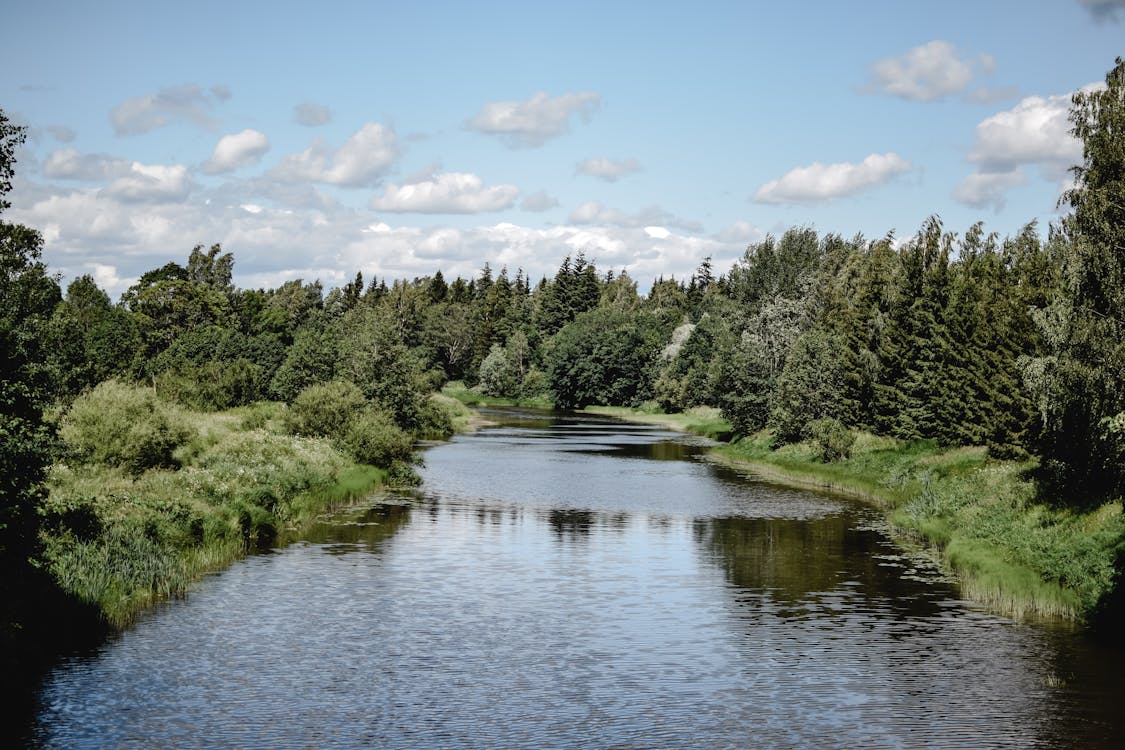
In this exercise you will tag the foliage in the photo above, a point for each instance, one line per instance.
(1079, 384)
(371, 437)
(606, 356)
(810, 387)
(117, 424)
(324, 409)
(832, 438)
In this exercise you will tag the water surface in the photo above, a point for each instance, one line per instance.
(577, 582)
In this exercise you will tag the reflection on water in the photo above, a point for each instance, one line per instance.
(580, 583)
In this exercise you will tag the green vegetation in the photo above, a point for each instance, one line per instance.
(698, 420)
(122, 539)
(981, 517)
(471, 397)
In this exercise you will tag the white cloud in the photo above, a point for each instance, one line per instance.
(1034, 133)
(593, 212)
(824, 182)
(106, 277)
(448, 193)
(927, 72)
(362, 161)
(535, 121)
(102, 230)
(69, 164)
(1104, 10)
(311, 114)
(237, 150)
(140, 114)
(539, 201)
(151, 182)
(607, 169)
(988, 189)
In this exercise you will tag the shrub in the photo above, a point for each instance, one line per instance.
(324, 409)
(435, 420)
(372, 437)
(123, 425)
(497, 375)
(832, 438)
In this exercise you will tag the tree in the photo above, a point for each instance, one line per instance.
(28, 296)
(1079, 386)
(607, 356)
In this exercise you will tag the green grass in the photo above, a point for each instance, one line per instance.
(700, 420)
(464, 419)
(981, 517)
(470, 397)
(124, 542)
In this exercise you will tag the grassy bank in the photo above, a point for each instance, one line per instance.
(123, 541)
(472, 397)
(981, 517)
(701, 420)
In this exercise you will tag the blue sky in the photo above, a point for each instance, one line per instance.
(317, 139)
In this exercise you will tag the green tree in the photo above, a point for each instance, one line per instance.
(607, 356)
(1079, 386)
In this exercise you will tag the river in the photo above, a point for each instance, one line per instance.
(565, 582)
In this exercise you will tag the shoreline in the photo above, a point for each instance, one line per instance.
(975, 516)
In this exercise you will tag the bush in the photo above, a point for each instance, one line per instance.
(123, 425)
(373, 438)
(497, 375)
(834, 440)
(435, 421)
(324, 409)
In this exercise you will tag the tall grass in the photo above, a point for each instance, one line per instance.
(123, 541)
(470, 397)
(980, 516)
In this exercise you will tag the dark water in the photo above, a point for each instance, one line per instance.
(580, 583)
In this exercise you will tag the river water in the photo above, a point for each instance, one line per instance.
(573, 582)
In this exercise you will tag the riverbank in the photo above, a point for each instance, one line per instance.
(981, 518)
(122, 541)
(472, 397)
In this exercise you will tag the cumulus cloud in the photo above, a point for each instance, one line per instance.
(99, 230)
(361, 162)
(1034, 133)
(237, 150)
(608, 169)
(930, 71)
(818, 182)
(69, 164)
(1104, 10)
(151, 182)
(449, 193)
(311, 114)
(539, 201)
(593, 212)
(189, 103)
(62, 133)
(534, 121)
